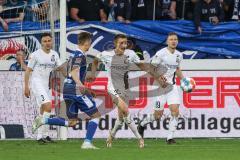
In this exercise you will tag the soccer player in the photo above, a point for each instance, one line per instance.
(171, 58)
(117, 63)
(40, 64)
(76, 95)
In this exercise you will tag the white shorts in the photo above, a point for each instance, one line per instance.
(118, 93)
(41, 93)
(171, 97)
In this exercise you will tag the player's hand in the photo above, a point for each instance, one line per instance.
(92, 93)
(89, 91)
(90, 77)
(27, 92)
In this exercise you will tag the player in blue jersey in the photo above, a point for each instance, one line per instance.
(76, 95)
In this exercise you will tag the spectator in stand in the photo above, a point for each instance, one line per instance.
(118, 10)
(10, 15)
(236, 10)
(42, 11)
(21, 64)
(166, 9)
(228, 6)
(87, 10)
(185, 10)
(142, 10)
(208, 11)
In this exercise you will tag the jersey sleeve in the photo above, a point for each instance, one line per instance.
(134, 58)
(180, 59)
(103, 57)
(156, 59)
(58, 61)
(32, 61)
(76, 62)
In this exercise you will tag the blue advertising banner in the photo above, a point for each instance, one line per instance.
(216, 41)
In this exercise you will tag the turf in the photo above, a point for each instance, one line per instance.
(123, 149)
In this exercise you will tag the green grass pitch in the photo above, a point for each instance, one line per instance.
(123, 149)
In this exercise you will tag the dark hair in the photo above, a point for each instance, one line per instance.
(172, 34)
(46, 35)
(83, 37)
(118, 36)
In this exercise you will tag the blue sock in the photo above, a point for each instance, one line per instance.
(91, 129)
(56, 121)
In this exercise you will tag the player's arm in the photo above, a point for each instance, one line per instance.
(31, 64)
(26, 82)
(179, 73)
(92, 75)
(150, 69)
(75, 76)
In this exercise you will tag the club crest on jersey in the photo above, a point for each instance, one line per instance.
(53, 58)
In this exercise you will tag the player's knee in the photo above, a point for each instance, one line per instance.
(174, 110)
(47, 107)
(95, 120)
(127, 119)
(175, 113)
(158, 115)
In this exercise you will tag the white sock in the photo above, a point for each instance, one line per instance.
(40, 132)
(132, 126)
(148, 119)
(172, 127)
(46, 127)
(46, 115)
(45, 131)
(118, 125)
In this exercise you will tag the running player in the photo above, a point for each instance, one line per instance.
(171, 58)
(117, 63)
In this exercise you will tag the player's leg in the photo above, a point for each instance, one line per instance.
(44, 103)
(123, 107)
(87, 105)
(117, 125)
(149, 119)
(173, 101)
(158, 112)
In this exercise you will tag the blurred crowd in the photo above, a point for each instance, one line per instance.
(126, 11)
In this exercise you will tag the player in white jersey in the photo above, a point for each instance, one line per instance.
(40, 65)
(117, 63)
(170, 58)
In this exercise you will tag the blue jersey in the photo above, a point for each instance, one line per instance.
(74, 99)
(17, 66)
(77, 59)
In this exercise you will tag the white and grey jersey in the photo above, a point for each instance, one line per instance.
(171, 61)
(117, 66)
